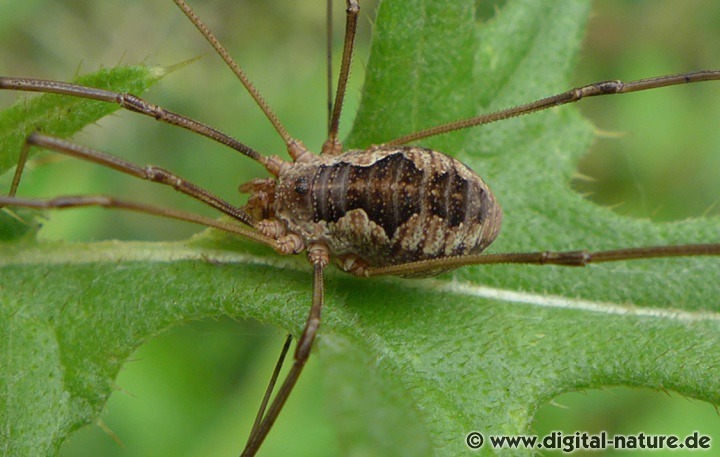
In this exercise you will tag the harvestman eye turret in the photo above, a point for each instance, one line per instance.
(392, 209)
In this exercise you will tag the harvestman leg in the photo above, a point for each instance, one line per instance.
(149, 173)
(78, 201)
(136, 104)
(332, 145)
(271, 385)
(563, 258)
(318, 256)
(295, 147)
(570, 96)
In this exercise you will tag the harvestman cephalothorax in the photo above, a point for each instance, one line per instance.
(392, 209)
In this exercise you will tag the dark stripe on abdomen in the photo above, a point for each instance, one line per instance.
(386, 190)
(390, 191)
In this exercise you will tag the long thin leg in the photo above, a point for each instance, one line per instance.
(150, 173)
(570, 96)
(77, 201)
(136, 104)
(295, 147)
(332, 145)
(565, 258)
(271, 385)
(328, 56)
(319, 257)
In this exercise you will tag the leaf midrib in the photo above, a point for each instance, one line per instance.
(63, 253)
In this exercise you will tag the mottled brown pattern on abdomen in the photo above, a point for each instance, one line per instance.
(390, 205)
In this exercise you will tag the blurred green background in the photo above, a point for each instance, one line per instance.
(187, 392)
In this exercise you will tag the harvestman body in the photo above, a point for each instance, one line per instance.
(389, 210)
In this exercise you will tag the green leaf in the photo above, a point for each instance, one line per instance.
(411, 366)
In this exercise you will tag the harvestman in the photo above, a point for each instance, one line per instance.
(389, 210)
